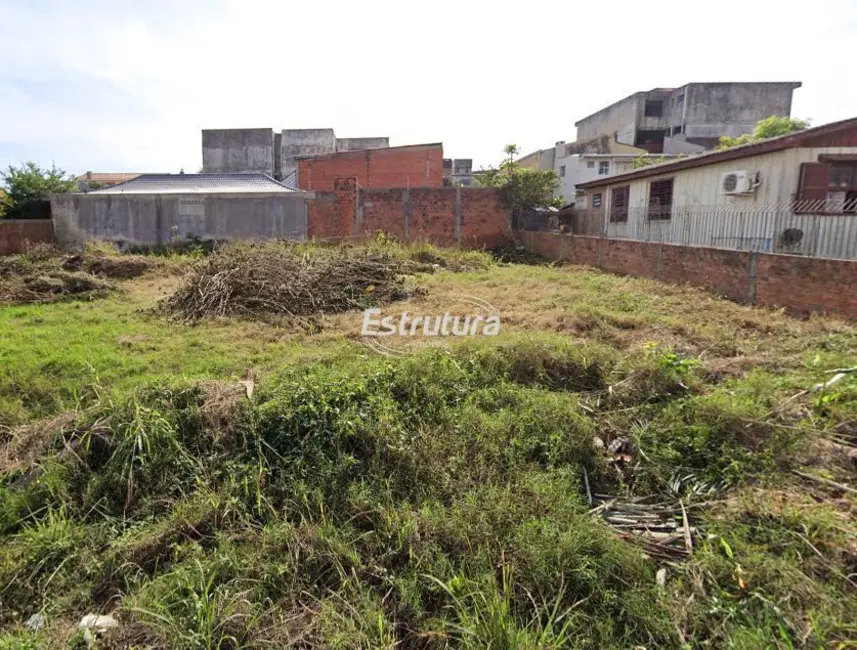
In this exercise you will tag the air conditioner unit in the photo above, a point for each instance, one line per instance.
(741, 182)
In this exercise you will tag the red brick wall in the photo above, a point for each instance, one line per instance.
(484, 220)
(17, 234)
(330, 215)
(416, 166)
(410, 214)
(801, 284)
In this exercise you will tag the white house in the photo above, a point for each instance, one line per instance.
(584, 160)
(794, 194)
(579, 168)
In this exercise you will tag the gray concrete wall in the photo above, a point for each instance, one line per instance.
(354, 144)
(677, 144)
(616, 117)
(707, 110)
(146, 219)
(716, 109)
(303, 142)
(239, 151)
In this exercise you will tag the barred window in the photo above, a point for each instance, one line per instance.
(619, 204)
(660, 200)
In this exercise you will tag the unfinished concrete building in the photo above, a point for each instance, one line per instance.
(691, 118)
(247, 151)
(457, 171)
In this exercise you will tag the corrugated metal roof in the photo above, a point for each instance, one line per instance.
(197, 184)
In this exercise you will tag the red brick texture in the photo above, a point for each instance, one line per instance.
(16, 235)
(410, 214)
(412, 166)
(330, 215)
(800, 284)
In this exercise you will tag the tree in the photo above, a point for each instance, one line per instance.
(29, 184)
(521, 187)
(770, 127)
(644, 161)
(511, 150)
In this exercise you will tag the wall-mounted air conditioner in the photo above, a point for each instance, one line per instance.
(740, 182)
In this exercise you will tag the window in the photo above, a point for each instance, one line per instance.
(562, 171)
(843, 177)
(619, 204)
(603, 167)
(596, 200)
(829, 187)
(654, 108)
(590, 164)
(660, 200)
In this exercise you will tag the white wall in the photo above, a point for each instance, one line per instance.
(577, 170)
(704, 216)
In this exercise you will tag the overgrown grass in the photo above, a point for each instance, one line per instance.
(436, 500)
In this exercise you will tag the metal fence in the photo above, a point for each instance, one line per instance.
(823, 230)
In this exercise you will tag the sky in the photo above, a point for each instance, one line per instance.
(116, 85)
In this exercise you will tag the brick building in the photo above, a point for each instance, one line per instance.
(419, 165)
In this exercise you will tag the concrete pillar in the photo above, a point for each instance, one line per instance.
(406, 208)
(458, 214)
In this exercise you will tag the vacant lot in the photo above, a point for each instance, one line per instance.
(626, 464)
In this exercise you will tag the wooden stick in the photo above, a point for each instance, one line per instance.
(586, 481)
(826, 481)
(688, 540)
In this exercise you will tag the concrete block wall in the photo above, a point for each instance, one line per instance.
(238, 151)
(413, 166)
(261, 150)
(303, 142)
(800, 284)
(353, 144)
(17, 235)
(147, 219)
(445, 216)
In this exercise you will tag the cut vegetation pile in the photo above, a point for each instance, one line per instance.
(109, 266)
(25, 281)
(275, 279)
(46, 275)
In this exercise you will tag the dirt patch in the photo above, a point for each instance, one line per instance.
(273, 280)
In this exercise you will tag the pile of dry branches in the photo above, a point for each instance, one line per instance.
(663, 530)
(270, 279)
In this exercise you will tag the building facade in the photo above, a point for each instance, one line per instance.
(579, 168)
(691, 118)
(262, 151)
(154, 209)
(792, 194)
(458, 171)
(583, 160)
(418, 165)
